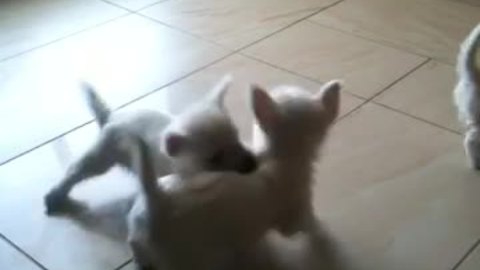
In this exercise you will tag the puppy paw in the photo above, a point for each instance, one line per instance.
(55, 202)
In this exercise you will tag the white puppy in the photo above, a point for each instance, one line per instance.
(202, 138)
(467, 95)
(213, 219)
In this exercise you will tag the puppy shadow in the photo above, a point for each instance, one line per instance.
(298, 252)
(107, 219)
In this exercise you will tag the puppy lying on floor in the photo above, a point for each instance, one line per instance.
(215, 218)
(467, 95)
(203, 138)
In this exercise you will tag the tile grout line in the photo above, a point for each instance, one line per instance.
(396, 81)
(370, 100)
(289, 25)
(366, 100)
(64, 37)
(117, 5)
(223, 46)
(123, 264)
(467, 254)
(148, 93)
(379, 42)
(25, 254)
(132, 10)
(231, 53)
(172, 27)
(417, 118)
(251, 57)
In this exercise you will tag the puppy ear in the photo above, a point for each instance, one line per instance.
(217, 94)
(329, 97)
(174, 143)
(264, 108)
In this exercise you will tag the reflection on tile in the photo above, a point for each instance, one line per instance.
(245, 71)
(472, 262)
(396, 192)
(468, 2)
(233, 23)
(134, 4)
(125, 59)
(130, 266)
(427, 94)
(96, 248)
(417, 26)
(10, 258)
(27, 24)
(322, 53)
(62, 243)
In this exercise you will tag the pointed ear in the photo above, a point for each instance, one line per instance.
(329, 97)
(264, 108)
(217, 94)
(173, 144)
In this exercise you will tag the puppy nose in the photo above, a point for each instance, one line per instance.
(248, 165)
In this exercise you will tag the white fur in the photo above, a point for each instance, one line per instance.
(211, 220)
(467, 95)
(196, 127)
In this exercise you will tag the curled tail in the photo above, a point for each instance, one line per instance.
(155, 197)
(96, 104)
(466, 65)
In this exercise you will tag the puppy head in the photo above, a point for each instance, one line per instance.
(290, 115)
(204, 138)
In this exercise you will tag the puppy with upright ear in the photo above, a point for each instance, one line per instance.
(329, 98)
(264, 108)
(218, 93)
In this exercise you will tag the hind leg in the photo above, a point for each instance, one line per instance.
(472, 147)
(137, 236)
(97, 160)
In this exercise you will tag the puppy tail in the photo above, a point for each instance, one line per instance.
(143, 162)
(466, 64)
(96, 104)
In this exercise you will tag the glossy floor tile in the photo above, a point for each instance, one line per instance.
(28, 24)
(124, 59)
(472, 262)
(392, 186)
(134, 4)
(469, 2)
(244, 71)
(59, 242)
(232, 23)
(10, 258)
(321, 53)
(413, 25)
(427, 93)
(409, 205)
(96, 242)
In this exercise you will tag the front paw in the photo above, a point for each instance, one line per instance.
(55, 202)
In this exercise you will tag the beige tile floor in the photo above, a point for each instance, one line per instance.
(392, 186)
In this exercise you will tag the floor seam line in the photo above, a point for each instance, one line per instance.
(21, 251)
(290, 25)
(379, 42)
(231, 53)
(394, 82)
(63, 38)
(467, 254)
(417, 118)
(123, 264)
(312, 79)
(146, 94)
